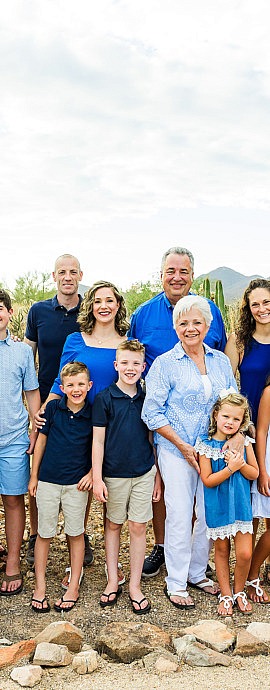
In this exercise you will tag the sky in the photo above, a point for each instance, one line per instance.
(130, 126)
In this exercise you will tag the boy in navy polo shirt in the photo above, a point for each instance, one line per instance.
(61, 459)
(123, 455)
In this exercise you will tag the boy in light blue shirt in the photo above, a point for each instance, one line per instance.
(17, 376)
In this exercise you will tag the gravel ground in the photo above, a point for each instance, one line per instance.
(17, 621)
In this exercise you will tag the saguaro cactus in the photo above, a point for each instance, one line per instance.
(206, 288)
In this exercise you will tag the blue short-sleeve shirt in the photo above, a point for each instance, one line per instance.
(17, 374)
(128, 451)
(67, 456)
(152, 324)
(48, 325)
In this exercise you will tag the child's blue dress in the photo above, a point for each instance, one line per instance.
(228, 505)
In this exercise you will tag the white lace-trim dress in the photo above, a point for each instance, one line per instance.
(228, 505)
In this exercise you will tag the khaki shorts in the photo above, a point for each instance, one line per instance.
(130, 498)
(50, 497)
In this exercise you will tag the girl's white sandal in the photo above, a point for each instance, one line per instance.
(259, 590)
(227, 601)
(244, 599)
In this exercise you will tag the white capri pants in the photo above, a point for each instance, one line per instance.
(186, 551)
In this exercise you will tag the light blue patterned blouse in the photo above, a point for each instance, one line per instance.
(175, 393)
(17, 374)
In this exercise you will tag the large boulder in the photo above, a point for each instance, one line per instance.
(126, 642)
(62, 632)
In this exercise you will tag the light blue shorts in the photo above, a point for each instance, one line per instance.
(14, 467)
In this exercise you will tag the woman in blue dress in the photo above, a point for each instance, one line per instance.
(226, 478)
(249, 351)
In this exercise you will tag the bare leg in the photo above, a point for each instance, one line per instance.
(159, 515)
(243, 553)
(267, 527)
(255, 530)
(112, 542)
(88, 506)
(260, 554)
(76, 562)
(41, 556)
(121, 577)
(90, 496)
(14, 524)
(33, 514)
(222, 562)
(137, 532)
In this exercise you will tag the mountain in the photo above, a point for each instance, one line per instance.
(234, 283)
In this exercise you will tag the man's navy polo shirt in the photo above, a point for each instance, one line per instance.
(48, 325)
(152, 324)
(128, 451)
(67, 456)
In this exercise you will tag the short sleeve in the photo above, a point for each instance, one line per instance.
(100, 411)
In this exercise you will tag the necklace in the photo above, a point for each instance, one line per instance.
(100, 341)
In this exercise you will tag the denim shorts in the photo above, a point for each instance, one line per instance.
(14, 467)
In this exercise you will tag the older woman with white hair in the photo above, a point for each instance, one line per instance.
(181, 388)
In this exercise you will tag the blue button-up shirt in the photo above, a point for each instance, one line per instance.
(152, 324)
(17, 374)
(175, 393)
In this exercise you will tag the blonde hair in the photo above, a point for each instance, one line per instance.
(131, 346)
(74, 368)
(231, 399)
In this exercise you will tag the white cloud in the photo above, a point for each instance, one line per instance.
(118, 114)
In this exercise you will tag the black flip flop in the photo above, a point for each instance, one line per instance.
(66, 609)
(43, 609)
(141, 611)
(110, 602)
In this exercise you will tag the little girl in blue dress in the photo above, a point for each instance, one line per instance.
(226, 477)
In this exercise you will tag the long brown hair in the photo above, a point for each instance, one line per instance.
(246, 323)
(86, 318)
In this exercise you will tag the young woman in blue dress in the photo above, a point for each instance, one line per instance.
(249, 351)
(226, 478)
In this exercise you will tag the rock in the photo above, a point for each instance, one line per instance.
(249, 645)
(198, 655)
(10, 655)
(149, 661)
(62, 632)
(260, 630)
(85, 662)
(182, 643)
(4, 642)
(126, 642)
(27, 676)
(212, 633)
(165, 665)
(48, 654)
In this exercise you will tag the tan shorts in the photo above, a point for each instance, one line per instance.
(50, 497)
(130, 498)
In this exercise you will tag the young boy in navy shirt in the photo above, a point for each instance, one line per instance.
(61, 459)
(123, 455)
